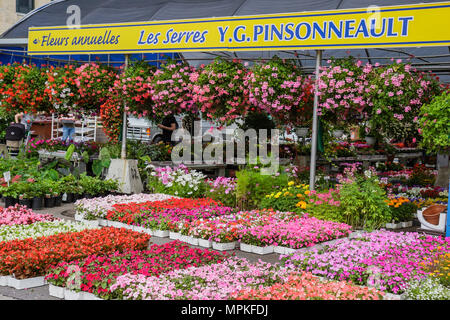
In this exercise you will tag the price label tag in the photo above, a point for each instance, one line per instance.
(7, 176)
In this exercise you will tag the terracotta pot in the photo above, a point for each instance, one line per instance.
(432, 213)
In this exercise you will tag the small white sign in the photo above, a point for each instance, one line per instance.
(7, 176)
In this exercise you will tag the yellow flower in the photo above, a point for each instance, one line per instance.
(291, 183)
(307, 192)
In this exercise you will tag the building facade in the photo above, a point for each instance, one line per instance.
(12, 11)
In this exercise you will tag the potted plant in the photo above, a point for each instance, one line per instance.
(49, 201)
(37, 196)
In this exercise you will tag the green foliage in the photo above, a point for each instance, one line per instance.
(404, 212)
(435, 124)
(252, 186)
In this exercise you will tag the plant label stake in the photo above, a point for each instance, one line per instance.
(7, 176)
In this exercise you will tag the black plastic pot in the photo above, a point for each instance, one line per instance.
(25, 202)
(49, 202)
(36, 204)
(10, 202)
(58, 201)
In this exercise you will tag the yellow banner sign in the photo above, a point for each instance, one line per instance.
(396, 26)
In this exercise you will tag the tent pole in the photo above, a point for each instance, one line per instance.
(124, 125)
(312, 167)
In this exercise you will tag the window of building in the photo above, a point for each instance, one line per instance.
(24, 6)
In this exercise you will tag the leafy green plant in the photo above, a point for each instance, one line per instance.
(252, 186)
(434, 124)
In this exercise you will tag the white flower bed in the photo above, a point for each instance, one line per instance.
(41, 229)
(99, 207)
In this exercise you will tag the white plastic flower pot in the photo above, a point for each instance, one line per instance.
(161, 233)
(72, 295)
(223, 246)
(56, 291)
(262, 250)
(174, 235)
(246, 247)
(20, 284)
(204, 243)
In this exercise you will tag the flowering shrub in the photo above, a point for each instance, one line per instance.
(172, 87)
(210, 282)
(99, 207)
(21, 215)
(305, 286)
(33, 257)
(98, 273)
(40, 229)
(178, 181)
(221, 91)
(387, 260)
(279, 88)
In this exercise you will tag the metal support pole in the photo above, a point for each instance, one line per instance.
(124, 126)
(312, 167)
